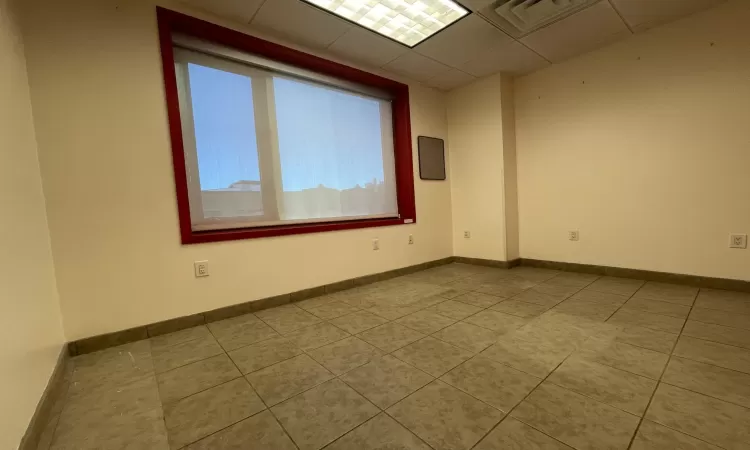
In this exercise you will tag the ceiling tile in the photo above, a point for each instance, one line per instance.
(451, 79)
(237, 10)
(300, 22)
(644, 14)
(413, 65)
(581, 32)
(367, 47)
(512, 57)
(462, 41)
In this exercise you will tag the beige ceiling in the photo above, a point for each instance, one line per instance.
(473, 47)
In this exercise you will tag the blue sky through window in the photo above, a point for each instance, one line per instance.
(326, 137)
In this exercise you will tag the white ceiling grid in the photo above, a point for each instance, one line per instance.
(475, 46)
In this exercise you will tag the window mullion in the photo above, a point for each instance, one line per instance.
(268, 147)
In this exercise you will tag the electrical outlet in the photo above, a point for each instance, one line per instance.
(411, 239)
(737, 241)
(467, 234)
(375, 244)
(573, 235)
(201, 268)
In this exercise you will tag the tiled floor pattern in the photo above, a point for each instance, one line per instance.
(455, 357)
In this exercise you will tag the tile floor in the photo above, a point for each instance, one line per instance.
(455, 357)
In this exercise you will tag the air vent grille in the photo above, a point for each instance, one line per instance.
(525, 16)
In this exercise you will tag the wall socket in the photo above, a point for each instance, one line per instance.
(467, 234)
(376, 244)
(411, 239)
(737, 241)
(201, 268)
(573, 235)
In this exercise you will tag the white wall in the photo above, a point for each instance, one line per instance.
(30, 329)
(479, 123)
(644, 146)
(99, 105)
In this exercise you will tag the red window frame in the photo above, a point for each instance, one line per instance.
(170, 22)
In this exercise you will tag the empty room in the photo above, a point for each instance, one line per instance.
(375, 224)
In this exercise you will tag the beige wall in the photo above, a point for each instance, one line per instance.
(478, 126)
(644, 147)
(30, 330)
(99, 105)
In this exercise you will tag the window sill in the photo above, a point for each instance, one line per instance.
(201, 237)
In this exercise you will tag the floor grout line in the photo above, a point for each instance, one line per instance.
(664, 370)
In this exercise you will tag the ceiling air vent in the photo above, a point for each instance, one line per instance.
(521, 17)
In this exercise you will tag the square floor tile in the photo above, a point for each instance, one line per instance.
(321, 415)
(392, 312)
(386, 380)
(167, 340)
(358, 322)
(426, 322)
(287, 318)
(703, 417)
(721, 355)
(539, 298)
(199, 415)
(600, 297)
(614, 285)
(263, 354)
(259, 431)
(345, 355)
(659, 341)
(187, 380)
(113, 366)
(514, 435)
(574, 279)
(718, 382)
(614, 387)
(652, 436)
(536, 357)
(729, 301)
(519, 308)
(433, 356)
(95, 407)
(332, 310)
(671, 293)
(576, 420)
(496, 321)
(636, 360)
(139, 430)
(315, 336)
(551, 287)
(492, 382)
(717, 333)
(467, 336)
(390, 336)
(240, 331)
(478, 299)
(717, 317)
(184, 353)
(445, 417)
(658, 307)
(277, 383)
(454, 310)
(644, 319)
(505, 288)
(583, 308)
(379, 433)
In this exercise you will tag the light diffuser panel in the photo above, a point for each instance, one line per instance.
(406, 21)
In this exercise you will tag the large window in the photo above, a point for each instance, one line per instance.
(290, 144)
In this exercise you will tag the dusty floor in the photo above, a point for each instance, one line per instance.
(455, 357)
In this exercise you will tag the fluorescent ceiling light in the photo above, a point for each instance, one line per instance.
(406, 21)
